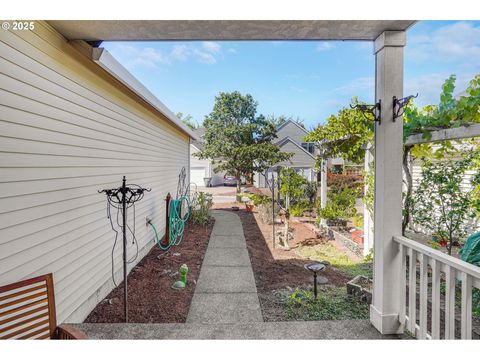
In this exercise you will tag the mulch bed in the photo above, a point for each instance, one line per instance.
(150, 296)
(276, 269)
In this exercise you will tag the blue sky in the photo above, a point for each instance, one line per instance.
(306, 79)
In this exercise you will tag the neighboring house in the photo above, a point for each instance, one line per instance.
(74, 121)
(200, 169)
(340, 166)
(290, 138)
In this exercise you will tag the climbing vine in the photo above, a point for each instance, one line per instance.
(345, 134)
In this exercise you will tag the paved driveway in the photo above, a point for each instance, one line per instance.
(221, 194)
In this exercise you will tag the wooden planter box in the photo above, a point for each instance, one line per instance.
(360, 287)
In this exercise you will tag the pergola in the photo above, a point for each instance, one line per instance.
(388, 38)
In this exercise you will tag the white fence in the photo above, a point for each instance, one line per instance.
(440, 268)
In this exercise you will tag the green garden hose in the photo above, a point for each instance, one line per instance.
(175, 221)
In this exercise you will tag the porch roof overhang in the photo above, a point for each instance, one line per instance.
(143, 30)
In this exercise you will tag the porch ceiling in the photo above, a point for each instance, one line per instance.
(104, 30)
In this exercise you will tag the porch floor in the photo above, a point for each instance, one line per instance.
(295, 330)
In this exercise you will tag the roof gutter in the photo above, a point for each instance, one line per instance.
(105, 60)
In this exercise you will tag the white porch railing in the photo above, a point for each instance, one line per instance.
(441, 268)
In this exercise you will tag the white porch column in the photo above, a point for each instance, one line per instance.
(323, 188)
(367, 218)
(385, 307)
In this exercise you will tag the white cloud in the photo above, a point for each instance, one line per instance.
(211, 46)
(205, 57)
(323, 46)
(458, 42)
(180, 52)
(150, 57)
(232, 51)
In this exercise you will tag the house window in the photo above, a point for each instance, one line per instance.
(310, 147)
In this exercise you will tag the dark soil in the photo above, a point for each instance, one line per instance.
(150, 296)
(277, 269)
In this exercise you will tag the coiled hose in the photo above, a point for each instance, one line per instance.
(175, 221)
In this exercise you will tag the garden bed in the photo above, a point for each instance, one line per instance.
(150, 296)
(282, 282)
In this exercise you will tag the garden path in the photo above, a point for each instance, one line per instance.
(226, 292)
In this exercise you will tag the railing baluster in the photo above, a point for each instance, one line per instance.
(440, 264)
(412, 290)
(450, 303)
(466, 326)
(435, 300)
(403, 284)
(423, 296)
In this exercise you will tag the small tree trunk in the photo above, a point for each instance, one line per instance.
(285, 233)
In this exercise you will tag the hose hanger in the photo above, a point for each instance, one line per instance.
(121, 199)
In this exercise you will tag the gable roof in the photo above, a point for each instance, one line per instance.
(288, 139)
(294, 123)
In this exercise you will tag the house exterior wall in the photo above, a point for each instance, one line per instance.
(68, 129)
(293, 131)
(300, 158)
(195, 163)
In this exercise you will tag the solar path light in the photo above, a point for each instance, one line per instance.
(315, 267)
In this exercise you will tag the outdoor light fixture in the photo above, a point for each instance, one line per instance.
(315, 267)
(374, 110)
(399, 104)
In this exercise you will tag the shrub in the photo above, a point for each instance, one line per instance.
(340, 204)
(201, 209)
(299, 208)
(259, 199)
(441, 205)
(340, 181)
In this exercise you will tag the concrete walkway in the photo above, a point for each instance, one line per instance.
(226, 292)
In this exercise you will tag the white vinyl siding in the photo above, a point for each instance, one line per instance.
(68, 129)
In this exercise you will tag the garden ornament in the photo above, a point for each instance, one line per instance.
(180, 284)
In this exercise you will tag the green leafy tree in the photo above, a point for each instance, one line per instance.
(188, 120)
(345, 134)
(237, 140)
(282, 119)
(292, 184)
(441, 204)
